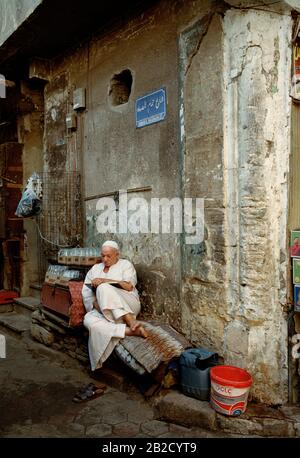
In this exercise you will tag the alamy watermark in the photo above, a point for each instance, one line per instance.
(2, 87)
(136, 215)
(2, 346)
(296, 347)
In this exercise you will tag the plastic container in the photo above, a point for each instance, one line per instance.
(195, 365)
(230, 386)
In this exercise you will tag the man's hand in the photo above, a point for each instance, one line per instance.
(98, 281)
(96, 306)
(123, 284)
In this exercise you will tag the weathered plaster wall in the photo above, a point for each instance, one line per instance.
(56, 138)
(281, 7)
(203, 296)
(224, 140)
(30, 134)
(235, 74)
(293, 4)
(13, 13)
(108, 148)
(256, 151)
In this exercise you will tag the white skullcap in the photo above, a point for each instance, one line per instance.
(112, 244)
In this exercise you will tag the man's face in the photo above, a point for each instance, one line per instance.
(109, 256)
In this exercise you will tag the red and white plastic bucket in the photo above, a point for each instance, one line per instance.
(230, 386)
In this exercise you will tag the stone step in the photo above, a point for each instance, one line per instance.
(5, 308)
(15, 322)
(26, 305)
(35, 290)
(62, 322)
(177, 408)
(257, 420)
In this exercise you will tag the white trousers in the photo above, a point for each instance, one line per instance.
(107, 328)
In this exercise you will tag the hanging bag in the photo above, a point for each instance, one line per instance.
(30, 203)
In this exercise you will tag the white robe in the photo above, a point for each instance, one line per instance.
(107, 328)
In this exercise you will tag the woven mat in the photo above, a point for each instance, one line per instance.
(162, 344)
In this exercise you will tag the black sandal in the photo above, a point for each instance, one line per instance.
(88, 392)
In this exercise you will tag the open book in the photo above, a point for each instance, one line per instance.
(115, 283)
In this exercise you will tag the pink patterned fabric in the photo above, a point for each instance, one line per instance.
(77, 309)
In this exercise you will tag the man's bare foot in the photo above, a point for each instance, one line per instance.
(142, 331)
(138, 331)
(138, 327)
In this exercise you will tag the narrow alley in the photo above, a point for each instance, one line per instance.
(149, 223)
(38, 384)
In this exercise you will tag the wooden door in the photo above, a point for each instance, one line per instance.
(11, 232)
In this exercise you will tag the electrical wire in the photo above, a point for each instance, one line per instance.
(49, 241)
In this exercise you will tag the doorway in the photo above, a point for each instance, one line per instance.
(11, 227)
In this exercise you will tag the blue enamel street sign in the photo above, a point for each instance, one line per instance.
(151, 108)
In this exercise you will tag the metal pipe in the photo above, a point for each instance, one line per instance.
(98, 196)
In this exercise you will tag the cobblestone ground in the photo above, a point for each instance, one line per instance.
(37, 387)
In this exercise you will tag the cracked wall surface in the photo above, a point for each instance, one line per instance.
(256, 153)
(30, 134)
(13, 13)
(111, 153)
(234, 115)
(226, 72)
(204, 306)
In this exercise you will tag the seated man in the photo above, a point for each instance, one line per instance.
(112, 304)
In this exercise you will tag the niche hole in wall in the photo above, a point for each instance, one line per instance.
(120, 88)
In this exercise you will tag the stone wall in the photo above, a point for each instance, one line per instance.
(256, 153)
(13, 13)
(30, 135)
(235, 73)
(54, 332)
(111, 152)
(203, 301)
(226, 71)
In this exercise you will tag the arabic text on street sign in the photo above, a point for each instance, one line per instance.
(151, 108)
